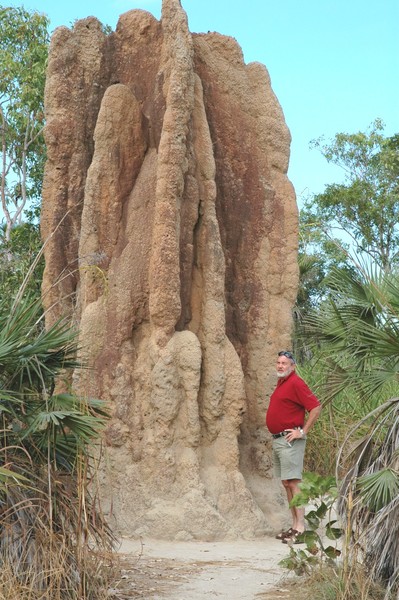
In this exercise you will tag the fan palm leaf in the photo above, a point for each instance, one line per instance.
(357, 330)
(378, 489)
(29, 354)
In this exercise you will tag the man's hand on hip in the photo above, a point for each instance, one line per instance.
(294, 434)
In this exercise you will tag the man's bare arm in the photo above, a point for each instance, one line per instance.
(312, 418)
(295, 434)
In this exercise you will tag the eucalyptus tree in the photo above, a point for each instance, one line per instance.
(363, 211)
(24, 41)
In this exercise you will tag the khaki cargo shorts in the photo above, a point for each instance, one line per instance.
(288, 460)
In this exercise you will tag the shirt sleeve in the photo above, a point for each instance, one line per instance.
(305, 396)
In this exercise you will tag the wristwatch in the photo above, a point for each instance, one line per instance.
(301, 431)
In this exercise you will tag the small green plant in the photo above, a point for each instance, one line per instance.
(321, 492)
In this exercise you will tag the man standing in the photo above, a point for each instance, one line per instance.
(285, 419)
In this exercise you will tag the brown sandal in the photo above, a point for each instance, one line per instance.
(284, 534)
(294, 538)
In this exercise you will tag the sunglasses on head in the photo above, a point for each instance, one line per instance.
(287, 354)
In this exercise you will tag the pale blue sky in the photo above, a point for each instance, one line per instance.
(334, 64)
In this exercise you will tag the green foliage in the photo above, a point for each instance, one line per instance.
(366, 207)
(369, 498)
(357, 339)
(24, 44)
(348, 335)
(16, 257)
(357, 336)
(315, 488)
(321, 492)
(378, 492)
(339, 413)
(49, 522)
(311, 283)
(348, 222)
(378, 489)
(31, 357)
(318, 256)
(7, 478)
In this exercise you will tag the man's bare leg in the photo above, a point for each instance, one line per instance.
(298, 513)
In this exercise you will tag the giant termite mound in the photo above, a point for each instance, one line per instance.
(171, 232)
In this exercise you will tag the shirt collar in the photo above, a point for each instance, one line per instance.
(281, 380)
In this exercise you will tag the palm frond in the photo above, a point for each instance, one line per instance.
(378, 489)
(374, 479)
(10, 477)
(357, 333)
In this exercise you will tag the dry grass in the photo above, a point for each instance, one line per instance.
(54, 582)
(329, 584)
(54, 547)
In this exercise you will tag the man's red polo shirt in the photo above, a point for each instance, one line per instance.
(288, 404)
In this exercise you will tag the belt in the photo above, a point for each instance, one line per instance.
(282, 433)
(278, 435)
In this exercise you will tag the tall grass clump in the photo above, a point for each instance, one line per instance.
(54, 541)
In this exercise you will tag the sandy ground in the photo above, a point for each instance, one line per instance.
(233, 570)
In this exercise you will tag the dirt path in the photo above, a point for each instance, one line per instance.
(238, 570)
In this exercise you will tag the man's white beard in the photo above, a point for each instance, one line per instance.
(284, 373)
